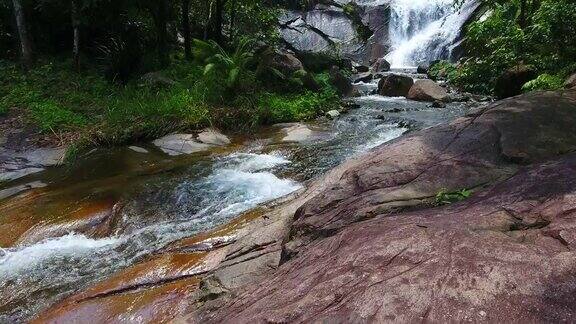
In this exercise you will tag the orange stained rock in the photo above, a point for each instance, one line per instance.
(152, 291)
(23, 221)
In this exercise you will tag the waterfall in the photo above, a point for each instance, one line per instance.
(424, 30)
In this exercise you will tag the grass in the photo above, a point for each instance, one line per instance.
(58, 100)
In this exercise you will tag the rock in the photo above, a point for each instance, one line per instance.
(570, 82)
(212, 136)
(23, 223)
(381, 65)
(364, 242)
(157, 79)
(340, 82)
(506, 254)
(323, 29)
(510, 83)
(422, 69)
(308, 81)
(427, 90)
(361, 68)
(297, 133)
(394, 110)
(285, 62)
(12, 191)
(333, 114)
(18, 164)
(395, 85)
(158, 289)
(364, 77)
(438, 104)
(138, 149)
(178, 144)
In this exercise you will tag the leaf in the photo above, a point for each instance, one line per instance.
(209, 68)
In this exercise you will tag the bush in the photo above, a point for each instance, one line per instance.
(544, 82)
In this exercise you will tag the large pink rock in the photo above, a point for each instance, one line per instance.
(369, 245)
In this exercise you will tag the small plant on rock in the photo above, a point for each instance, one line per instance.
(445, 197)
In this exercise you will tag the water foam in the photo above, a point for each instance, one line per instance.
(71, 245)
(387, 133)
(424, 30)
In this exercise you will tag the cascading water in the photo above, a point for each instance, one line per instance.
(421, 31)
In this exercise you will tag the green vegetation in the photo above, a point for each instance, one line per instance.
(57, 99)
(544, 82)
(445, 198)
(114, 72)
(537, 33)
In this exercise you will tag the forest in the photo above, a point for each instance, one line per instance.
(114, 72)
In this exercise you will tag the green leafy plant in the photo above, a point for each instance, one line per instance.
(445, 197)
(544, 82)
(231, 66)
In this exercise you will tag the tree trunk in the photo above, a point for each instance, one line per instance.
(522, 15)
(186, 29)
(76, 28)
(232, 19)
(25, 42)
(217, 23)
(160, 17)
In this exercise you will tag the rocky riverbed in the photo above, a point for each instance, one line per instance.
(368, 241)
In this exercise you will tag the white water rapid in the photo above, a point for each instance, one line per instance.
(421, 31)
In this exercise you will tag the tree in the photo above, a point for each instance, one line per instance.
(25, 41)
(186, 29)
(75, 17)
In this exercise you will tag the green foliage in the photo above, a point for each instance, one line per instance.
(445, 198)
(536, 33)
(442, 70)
(49, 116)
(231, 67)
(544, 82)
(278, 108)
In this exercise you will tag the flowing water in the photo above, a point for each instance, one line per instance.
(168, 198)
(421, 31)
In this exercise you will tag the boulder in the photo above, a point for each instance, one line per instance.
(570, 82)
(427, 90)
(333, 114)
(381, 65)
(510, 83)
(156, 79)
(364, 77)
(178, 144)
(365, 246)
(342, 84)
(438, 104)
(395, 85)
(296, 132)
(361, 68)
(422, 69)
(285, 62)
(308, 80)
(213, 136)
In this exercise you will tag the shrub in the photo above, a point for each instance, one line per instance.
(544, 82)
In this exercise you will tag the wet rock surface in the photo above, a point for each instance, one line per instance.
(366, 243)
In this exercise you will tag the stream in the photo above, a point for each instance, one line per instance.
(163, 199)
